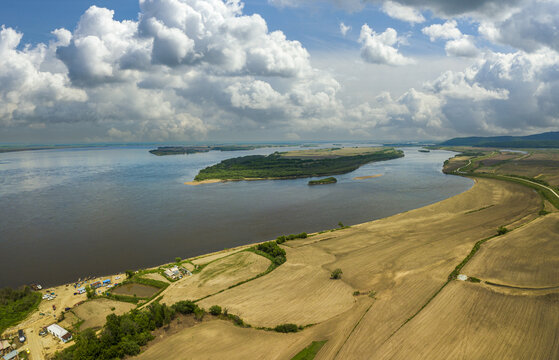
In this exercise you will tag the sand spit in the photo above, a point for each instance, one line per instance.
(212, 181)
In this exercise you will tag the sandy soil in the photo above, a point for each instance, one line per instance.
(211, 181)
(216, 276)
(41, 347)
(95, 312)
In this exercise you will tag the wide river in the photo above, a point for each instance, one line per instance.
(71, 213)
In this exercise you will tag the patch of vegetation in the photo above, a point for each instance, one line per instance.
(473, 279)
(483, 208)
(356, 293)
(336, 274)
(279, 167)
(459, 267)
(543, 212)
(502, 230)
(372, 294)
(15, 305)
(284, 238)
(272, 251)
(286, 328)
(215, 310)
(310, 351)
(123, 335)
(328, 180)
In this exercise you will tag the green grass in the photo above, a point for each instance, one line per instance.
(310, 351)
(15, 305)
(328, 180)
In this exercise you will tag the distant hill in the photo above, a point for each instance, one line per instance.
(544, 140)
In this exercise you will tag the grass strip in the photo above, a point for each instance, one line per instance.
(310, 351)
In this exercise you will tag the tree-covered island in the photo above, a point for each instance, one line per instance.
(296, 164)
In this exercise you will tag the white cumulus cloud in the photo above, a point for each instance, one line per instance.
(379, 48)
(402, 12)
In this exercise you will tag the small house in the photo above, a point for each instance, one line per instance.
(173, 272)
(59, 332)
(106, 282)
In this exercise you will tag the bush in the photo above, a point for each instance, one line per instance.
(185, 307)
(336, 274)
(129, 273)
(215, 310)
(90, 293)
(286, 328)
(236, 320)
(178, 259)
(271, 248)
(284, 238)
(356, 293)
(502, 230)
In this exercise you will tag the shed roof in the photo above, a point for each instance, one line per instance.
(10, 355)
(57, 330)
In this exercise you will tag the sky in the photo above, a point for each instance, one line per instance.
(80, 71)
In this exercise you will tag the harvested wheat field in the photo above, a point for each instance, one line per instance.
(222, 340)
(470, 321)
(299, 291)
(94, 312)
(216, 276)
(402, 262)
(156, 276)
(527, 257)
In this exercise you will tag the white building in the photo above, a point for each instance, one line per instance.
(173, 272)
(59, 332)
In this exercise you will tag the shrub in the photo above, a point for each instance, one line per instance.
(215, 310)
(236, 320)
(502, 230)
(185, 307)
(271, 248)
(356, 293)
(372, 294)
(336, 274)
(129, 273)
(286, 328)
(178, 259)
(90, 293)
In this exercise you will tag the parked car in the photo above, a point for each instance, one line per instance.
(21, 336)
(54, 307)
(43, 332)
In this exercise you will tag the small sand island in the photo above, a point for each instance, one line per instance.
(367, 177)
(295, 164)
(325, 181)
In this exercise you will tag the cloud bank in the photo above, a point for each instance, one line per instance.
(201, 69)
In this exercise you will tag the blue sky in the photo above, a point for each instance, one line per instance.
(276, 70)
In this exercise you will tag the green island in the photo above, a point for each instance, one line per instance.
(296, 164)
(325, 181)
